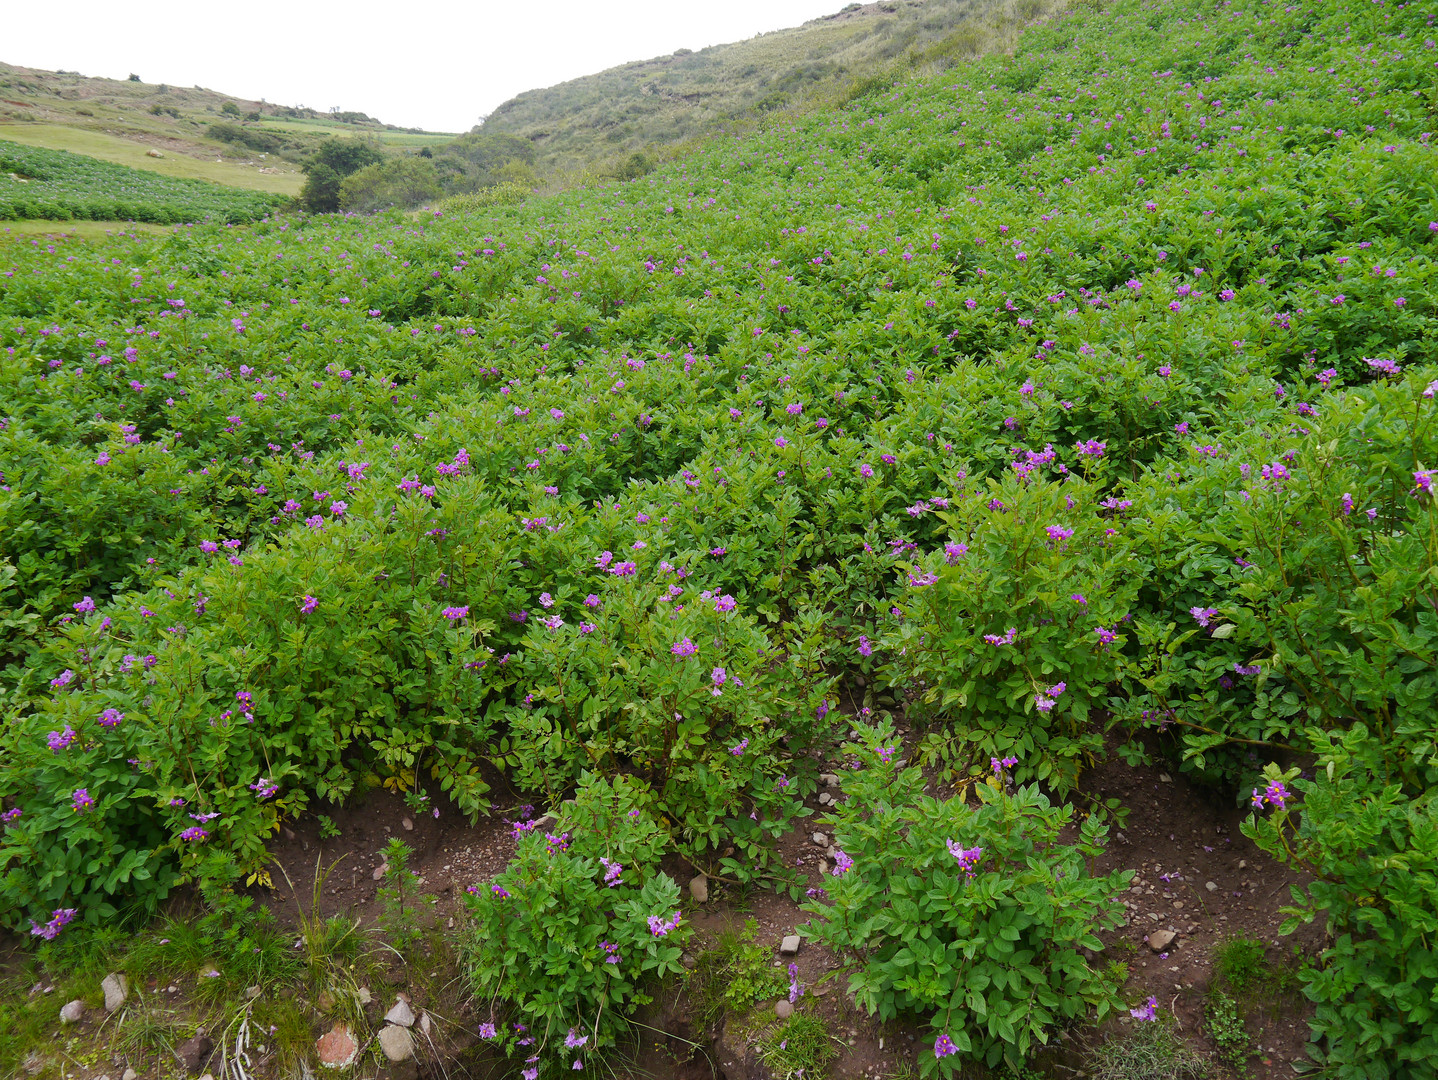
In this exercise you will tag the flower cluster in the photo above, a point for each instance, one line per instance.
(264, 788)
(59, 919)
(967, 859)
(1147, 1011)
(1275, 794)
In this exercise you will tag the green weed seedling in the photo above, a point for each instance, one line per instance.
(800, 1048)
(399, 897)
(1150, 1050)
(1240, 963)
(735, 974)
(1225, 1025)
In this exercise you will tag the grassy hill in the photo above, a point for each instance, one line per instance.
(600, 120)
(123, 121)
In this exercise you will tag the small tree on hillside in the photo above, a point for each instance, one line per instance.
(402, 182)
(334, 159)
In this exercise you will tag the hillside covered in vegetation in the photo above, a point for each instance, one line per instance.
(1072, 403)
(196, 133)
(619, 120)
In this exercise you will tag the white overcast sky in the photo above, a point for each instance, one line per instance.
(438, 65)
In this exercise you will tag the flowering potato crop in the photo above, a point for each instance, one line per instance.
(1092, 385)
(62, 186)
(989, 940)
(563, 943)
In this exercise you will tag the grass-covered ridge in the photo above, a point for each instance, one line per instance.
(60, 186)
(1094, 384)
(599, 122)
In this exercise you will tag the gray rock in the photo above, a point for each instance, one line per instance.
(424, 1022)
(130, 1074)
(548, 821)
(408, 825)
(699, 889)
(117, 989)
(825, 798)
(1160, 940)
(820, 839)
(828, 779)
(402, 1015)
(252, 992)
(1211, 886)
(396, 1042)
(783, 1009)
(789, 946)
(364, 995)
(71, 1011)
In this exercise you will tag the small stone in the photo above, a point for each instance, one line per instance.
(195, 1052)
(402, 1015)
(783, 1009)
(71, 1011)
(364, 995)
(789, 946)
(424, 1022)
(823, 867)
(1210, 886)
(117, 989)
(820, 839)
(380, 871)
(396, 1042)
(825, 798)
(547, 821)
(699, 889)
(252, 992)
(326, 1001)
(828, 779)
(1160, 940)
(820, 990)
(1243, 864)
(1164, 778)
(408, 827)
(337, 1048)
(130, 1074)
(1178, 905)
(689, 961)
